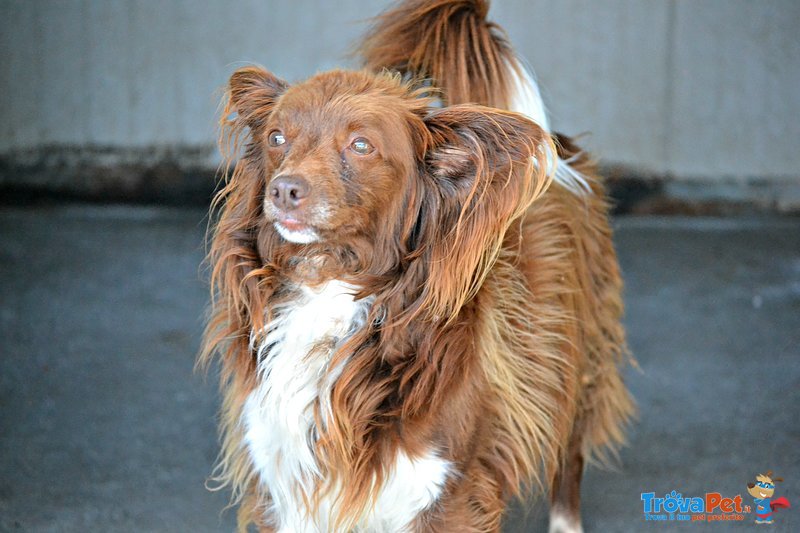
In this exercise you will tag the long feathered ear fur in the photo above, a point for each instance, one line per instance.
(238, 274)
(236, 299)
(485, 169)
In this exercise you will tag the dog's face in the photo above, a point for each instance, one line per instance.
(337, 151)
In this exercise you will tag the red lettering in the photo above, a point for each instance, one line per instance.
(712, 501)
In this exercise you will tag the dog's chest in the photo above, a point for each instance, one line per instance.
(294, 378)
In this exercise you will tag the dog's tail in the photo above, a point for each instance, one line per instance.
(468, 58)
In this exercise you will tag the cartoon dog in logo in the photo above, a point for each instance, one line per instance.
(762, 491)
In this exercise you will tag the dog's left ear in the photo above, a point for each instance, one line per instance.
(484, 168)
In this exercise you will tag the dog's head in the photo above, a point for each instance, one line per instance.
(336, 151)
(360, 162)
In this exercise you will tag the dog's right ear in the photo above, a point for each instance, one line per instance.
(252, 93)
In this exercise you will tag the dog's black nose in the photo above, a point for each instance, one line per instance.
(288, 192)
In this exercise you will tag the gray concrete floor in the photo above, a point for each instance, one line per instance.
(104, 426)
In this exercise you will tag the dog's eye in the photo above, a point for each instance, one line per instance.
(361, 146)
(276, 138)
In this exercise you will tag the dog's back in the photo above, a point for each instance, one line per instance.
(552, 304)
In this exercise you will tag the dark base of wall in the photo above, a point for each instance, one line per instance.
(634, 193)
(187, 176)
(173, 176)
(188, 188)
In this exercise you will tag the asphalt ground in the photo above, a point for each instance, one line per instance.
(104, 426)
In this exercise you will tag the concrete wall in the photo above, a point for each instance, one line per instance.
(690, 88)
(704, 90)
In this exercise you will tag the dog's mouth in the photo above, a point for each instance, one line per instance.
(292, 223)
(295, 230)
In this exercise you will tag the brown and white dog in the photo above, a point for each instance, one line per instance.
(417, 317)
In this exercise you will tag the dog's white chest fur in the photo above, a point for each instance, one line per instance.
(279, 423)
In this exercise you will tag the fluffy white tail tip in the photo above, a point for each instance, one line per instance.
(526, 99)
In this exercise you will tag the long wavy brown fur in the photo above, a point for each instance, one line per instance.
(494, 332)
(479, 170)
(558, 339)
